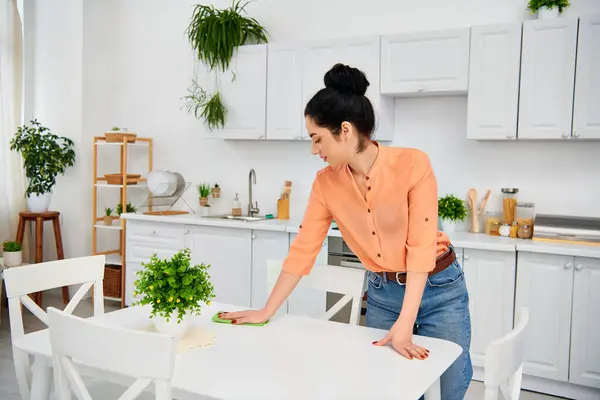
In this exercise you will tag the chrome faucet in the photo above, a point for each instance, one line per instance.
(252, 210)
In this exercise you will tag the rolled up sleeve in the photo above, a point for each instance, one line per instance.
(422, 236)
(313, 230)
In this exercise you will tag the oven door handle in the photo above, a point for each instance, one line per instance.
(351, 264)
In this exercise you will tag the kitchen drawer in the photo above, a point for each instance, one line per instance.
(159, 234)
(141, 252)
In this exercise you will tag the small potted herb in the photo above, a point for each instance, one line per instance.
(108, 219)
(216, 191)
(548, 8)
(129, 208)
(115, 129)
(13, 255)
(175, 289)
(203, 192)
(451, 211)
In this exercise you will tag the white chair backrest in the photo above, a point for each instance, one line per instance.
(504, 360)
(149, 357)
(329, 278)
(20, 281)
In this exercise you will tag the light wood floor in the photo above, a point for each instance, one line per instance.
(8, 385)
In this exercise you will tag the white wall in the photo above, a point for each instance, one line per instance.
(127, 63)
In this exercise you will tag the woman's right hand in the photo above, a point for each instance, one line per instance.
(246, 316)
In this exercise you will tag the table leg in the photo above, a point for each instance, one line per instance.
(434, 391)
(60, 254)
(39, 250)
(21, 230)
(41, 380)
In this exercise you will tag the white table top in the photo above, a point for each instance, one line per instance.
(291, 357)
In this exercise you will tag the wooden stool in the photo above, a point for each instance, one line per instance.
(39, 219)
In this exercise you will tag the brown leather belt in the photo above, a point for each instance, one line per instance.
(443, 262)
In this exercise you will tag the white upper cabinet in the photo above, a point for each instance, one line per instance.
(285, 111)
(547, 78)
(493, 99)
(425, 62)
(586, 112)
(243, 90)
(362, 53)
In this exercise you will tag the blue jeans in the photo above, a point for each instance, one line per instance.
(443, 314)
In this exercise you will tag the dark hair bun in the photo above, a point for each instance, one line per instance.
(345, 79)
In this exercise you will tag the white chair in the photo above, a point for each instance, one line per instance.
(329, 278)
(146, 357)
(504, 361)
(87, 271)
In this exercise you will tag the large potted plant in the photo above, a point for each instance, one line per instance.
(548, 8)
(13, 255)
(451, 211)
(45, 155)
(175, 289)
(214, 34)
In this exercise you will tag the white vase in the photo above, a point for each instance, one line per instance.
(547, 13)
(39, 202)
(13, 258)
(448, 225)
(177, 330)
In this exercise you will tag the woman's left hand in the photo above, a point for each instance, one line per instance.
(400, 336)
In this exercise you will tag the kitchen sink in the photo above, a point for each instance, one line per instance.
(237, 218)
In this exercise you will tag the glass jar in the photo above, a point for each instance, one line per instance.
(492, 222)
(525, 213)
(525, 231)
(504, 230)
(509, 202)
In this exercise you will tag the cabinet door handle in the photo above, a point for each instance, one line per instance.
(466, 257)
(253, 236)
(565, 135)
(186, 231)
(575, 134)
(153, 232)
(261, 137)
(579, 267)
(509, 136)
(568, 265)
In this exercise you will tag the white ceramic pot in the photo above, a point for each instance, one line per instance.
(177, 330)
(13, 258)
(39, 202)
(448, 225)
(547, 13)
(205, 210)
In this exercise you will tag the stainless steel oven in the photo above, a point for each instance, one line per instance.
(339, 254)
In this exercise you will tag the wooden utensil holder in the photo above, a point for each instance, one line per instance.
(283, 209)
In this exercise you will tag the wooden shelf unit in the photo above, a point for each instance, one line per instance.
(116, 256)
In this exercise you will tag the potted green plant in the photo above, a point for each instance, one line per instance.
(203, 192)
(45, 155)
(13, 255)
(451, 211)
(216, 191)
(175, 289)
(548, 8)
(214, 34)
(129, 208)
(108, 219)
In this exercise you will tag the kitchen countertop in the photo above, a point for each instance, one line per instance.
(477, 241)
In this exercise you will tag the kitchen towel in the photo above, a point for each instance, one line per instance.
(216, 318)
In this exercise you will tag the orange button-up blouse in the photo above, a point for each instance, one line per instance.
(393, 229)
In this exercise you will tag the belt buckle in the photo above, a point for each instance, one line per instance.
(398, 280)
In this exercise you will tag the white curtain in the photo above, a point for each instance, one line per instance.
(12, 179)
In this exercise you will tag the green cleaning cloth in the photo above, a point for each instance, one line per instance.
(216, 318)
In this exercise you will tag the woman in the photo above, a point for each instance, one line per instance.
(384, 201)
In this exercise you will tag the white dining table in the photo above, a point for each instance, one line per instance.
(291, 357)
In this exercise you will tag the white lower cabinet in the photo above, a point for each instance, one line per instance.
(490, 277)
(229, 253)
(585, 323)
(266, 245)
(563, 296)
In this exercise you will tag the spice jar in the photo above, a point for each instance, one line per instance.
(504, 230)
(525, 231)
(525, 213)
(509, 202)
(514, 228)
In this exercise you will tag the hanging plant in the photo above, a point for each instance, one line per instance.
(214, 34)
